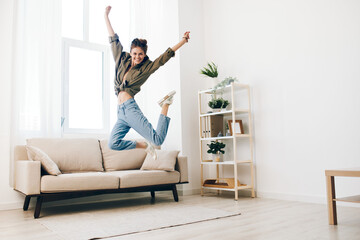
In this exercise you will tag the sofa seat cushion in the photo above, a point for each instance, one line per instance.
(138, 178)
(78, 182)
(71, 154)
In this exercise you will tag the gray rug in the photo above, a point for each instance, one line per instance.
(102, 223)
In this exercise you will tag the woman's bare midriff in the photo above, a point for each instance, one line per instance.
(123, 97)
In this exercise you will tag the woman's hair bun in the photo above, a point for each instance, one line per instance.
(142, 43)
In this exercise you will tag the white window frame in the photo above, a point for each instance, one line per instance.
(66, 44)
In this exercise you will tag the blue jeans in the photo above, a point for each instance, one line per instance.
(130, 116)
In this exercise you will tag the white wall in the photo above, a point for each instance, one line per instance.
(301, 59)
(9, 198)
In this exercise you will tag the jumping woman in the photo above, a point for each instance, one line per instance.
(131, 71)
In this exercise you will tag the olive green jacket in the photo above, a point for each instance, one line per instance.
(139, 73)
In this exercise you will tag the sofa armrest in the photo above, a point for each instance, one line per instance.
(28, 176)
(182, 166)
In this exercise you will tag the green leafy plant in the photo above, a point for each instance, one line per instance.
(216, 147)
(223, 84)
(210, 71)
(218, 103)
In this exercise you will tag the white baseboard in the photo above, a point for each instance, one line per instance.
(188, 192)
(11, 206)
(302, 198)
(292, 197)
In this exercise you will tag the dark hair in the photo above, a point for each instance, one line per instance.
(141, 43)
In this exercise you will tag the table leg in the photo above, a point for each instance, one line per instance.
(330, 186)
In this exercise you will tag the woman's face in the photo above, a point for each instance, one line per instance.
(137, 55)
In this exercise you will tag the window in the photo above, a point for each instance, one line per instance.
(86, 100)
(88, 67)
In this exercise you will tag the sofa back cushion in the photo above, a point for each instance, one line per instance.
(121, 160)
(71, 154)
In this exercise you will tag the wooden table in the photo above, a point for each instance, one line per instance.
(330, 186)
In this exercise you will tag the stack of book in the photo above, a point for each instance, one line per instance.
(212, 126)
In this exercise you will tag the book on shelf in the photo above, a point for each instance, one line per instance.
(211, 126)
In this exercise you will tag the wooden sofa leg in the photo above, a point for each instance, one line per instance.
(152, 194)
(38, 206)
(26, 203)
(176, 198)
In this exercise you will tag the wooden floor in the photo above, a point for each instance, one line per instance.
(261, 219)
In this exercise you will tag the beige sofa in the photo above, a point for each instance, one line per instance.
(88, 167)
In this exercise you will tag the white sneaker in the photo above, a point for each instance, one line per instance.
(168, 99)
(150, 149)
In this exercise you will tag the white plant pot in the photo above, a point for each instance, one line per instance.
(217, 157)
(215, 81)
(218, 110)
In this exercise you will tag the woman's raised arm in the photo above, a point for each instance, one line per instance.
(107, 21)
(116, 47)
(184, 40)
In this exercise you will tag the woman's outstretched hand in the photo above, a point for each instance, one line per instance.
(187, 36)
(107, 10)
(184, 40)
(107, 21)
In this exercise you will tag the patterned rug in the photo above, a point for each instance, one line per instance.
(94, 222)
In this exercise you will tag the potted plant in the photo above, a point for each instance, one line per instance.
(217, 104)
(210, 71)
(216, 148)
(224, 83)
